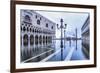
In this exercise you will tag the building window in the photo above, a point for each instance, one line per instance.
(38, 22)
(30, 29)
(46, 24)
(43, 39)
(27, 29)
(25, 40)
(52, 27)
(36, 40)
(40, 39)
(31, 40)
(46, 40)
(24, 29)
(33, 30)
(27, 18)
(21, 28)
(36, 16)
(40, 18)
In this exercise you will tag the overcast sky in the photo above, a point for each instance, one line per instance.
(72, 19)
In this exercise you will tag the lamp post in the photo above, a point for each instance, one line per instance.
(61, 27)
(64, 37)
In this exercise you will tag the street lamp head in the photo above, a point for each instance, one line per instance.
(61, 20)
(65, 26)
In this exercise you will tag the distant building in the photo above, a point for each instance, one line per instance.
(36, 32)
(86, 37)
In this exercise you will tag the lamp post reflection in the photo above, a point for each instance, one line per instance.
(76, 37)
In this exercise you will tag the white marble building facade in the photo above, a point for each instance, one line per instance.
(86, 37)
(37, 32)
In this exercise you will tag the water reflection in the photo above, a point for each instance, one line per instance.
(62, 55)
(55, 53)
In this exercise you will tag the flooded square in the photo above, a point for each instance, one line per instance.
(48, 36)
